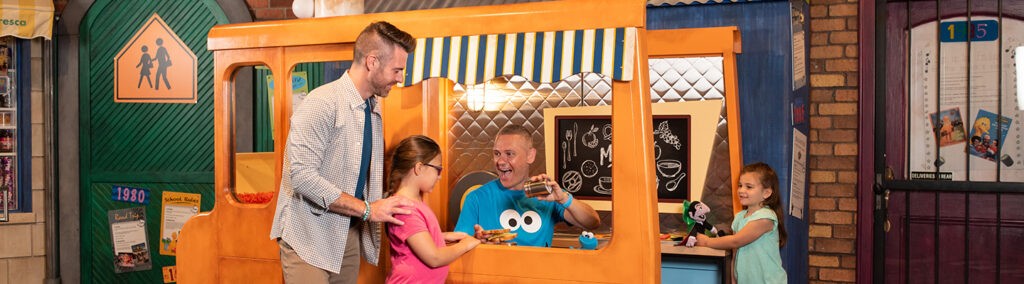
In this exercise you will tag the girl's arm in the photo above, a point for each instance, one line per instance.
(451, 237)
(423, 246)
(749, 233)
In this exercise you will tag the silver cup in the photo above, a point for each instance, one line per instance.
(536, 189)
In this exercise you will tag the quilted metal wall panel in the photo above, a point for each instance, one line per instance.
(472, 132)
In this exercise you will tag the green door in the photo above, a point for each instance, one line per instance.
(155, 146)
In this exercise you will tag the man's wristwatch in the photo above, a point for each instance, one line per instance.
(366, 212)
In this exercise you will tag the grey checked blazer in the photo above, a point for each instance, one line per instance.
(321, 162)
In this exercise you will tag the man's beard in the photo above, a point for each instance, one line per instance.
(382, 92)
(380, 89)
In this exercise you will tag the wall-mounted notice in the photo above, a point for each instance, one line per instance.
(799, 176)
(170, 274)
(178, 207)
(128, 231)
(799, 46)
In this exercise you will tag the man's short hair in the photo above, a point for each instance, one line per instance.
(382, 36)
(515, 129)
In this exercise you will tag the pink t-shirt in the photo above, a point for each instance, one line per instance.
(405, 266)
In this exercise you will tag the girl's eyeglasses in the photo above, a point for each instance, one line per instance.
(438, 168)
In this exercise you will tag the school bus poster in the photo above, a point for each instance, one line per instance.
(155, 66)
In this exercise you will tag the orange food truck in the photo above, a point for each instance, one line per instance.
(574, 72)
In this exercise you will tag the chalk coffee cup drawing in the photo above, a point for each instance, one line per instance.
(604, 186)
(536, 189)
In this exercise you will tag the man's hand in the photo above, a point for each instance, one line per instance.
(557, 194)
(483, 235)
(383, 209)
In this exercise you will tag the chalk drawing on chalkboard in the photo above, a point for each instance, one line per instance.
(672, 184)
(604, 186)
(670, 168)
(665, 133)
(607, 132)
(565, 154)
(589, 168)
(590, 138)
(572, 181)
(575, 132)
(572, 144)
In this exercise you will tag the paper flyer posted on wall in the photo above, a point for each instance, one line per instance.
(130, 241)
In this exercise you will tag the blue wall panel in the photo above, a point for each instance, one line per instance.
(765, 89)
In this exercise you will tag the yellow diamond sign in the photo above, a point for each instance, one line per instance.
(155, 66)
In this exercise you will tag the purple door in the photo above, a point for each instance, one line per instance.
(949, 137)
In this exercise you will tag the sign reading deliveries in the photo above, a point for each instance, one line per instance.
(155, 66)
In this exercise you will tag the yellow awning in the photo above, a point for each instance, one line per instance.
(26, 18)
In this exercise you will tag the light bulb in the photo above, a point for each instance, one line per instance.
(303, 8)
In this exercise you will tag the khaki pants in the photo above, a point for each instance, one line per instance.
(298, 271)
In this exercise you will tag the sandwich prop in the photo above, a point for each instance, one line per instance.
(499, 236)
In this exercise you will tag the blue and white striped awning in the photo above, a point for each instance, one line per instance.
(543, 57)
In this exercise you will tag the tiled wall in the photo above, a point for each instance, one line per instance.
(23, 239)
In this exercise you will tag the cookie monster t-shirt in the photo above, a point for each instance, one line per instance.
(495, 207)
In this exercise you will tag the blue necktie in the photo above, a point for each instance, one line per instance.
(364, 164)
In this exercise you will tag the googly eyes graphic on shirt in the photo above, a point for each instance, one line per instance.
(510, 219)
(531, 221)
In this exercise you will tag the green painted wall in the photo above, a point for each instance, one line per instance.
(162, 147)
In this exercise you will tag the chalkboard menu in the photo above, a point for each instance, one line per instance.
(583, 156)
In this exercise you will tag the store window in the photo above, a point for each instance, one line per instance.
(254, 122)
(15, 128)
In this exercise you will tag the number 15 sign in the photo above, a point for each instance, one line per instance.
(957, 31)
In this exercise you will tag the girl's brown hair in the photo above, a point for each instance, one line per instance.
(770, 180)
(411, 150)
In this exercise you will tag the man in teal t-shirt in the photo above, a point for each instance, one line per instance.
(502, 204)
(497, 207)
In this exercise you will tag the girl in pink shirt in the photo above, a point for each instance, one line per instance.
(418, 250)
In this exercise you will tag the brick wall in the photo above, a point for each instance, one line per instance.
(833, 153)
(265, 10)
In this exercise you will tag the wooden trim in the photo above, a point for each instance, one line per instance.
(866, 142)
(534, 16)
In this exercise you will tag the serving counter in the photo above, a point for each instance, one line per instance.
(694, 265)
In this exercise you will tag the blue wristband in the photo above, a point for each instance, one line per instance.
(366, 213)
(567, 203)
